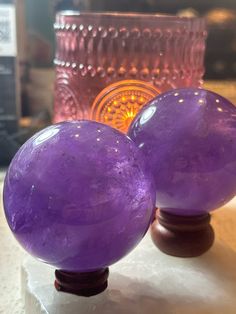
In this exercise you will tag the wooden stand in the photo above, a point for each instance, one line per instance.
(82, 284)
(182, 236)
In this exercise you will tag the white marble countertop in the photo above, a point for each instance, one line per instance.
(144, 282)
(11, 255)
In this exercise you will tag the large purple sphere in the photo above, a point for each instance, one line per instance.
(189, 139)
(78, 196)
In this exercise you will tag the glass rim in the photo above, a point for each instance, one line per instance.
(163, 16)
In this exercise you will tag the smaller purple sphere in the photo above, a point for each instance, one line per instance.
(189, 139)
(78, 196)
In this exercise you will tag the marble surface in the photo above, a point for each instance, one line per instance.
(11, 256)
(225, 88)
(219, 273)
(146, 281)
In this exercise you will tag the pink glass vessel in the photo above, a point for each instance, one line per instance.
(108, 65)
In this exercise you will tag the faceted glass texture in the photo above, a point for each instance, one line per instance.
(145, 53)
(78, 196)
(189, 139)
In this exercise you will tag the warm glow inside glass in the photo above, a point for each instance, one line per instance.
(108, 65)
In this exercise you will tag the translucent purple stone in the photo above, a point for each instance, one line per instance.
(189, 139)
(78, 196)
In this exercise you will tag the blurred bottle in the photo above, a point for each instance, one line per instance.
(9, 79)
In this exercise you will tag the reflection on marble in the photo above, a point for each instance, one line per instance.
(146, 281)
(224, 222)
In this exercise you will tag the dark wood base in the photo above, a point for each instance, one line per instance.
(182, 236)
(82, 284)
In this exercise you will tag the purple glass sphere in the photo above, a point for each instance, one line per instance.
(189, 138)
(78, 195)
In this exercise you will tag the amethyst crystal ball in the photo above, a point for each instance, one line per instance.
(189, 139)
(78, 196)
